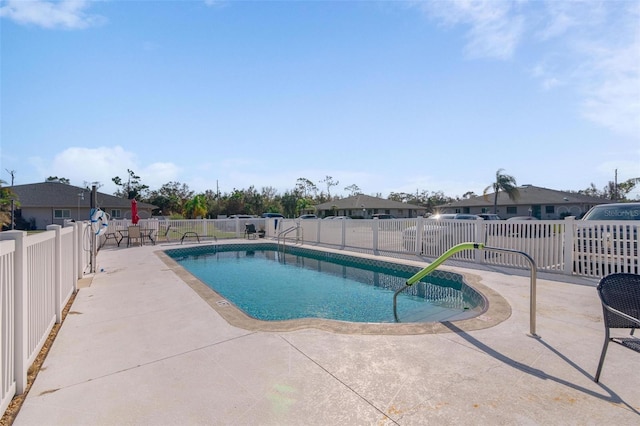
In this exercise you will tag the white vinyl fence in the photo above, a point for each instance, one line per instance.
(571, 247)
(38, 276)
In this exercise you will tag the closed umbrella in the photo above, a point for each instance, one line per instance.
(134, 212)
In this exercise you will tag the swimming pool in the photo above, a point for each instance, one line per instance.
(270, 286)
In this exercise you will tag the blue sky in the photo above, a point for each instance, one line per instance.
(390, 96)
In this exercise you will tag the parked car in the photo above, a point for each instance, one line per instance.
(439, 236)
(308, 216)
(382, 216)
(614, 211)
(267, 215)
(606, 248)
(337, 217)
(489, 216)
(511, 219)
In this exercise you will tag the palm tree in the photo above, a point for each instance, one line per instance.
(196, 207)
(6, 212)
(504, 183)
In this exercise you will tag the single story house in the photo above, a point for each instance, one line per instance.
(365, 206)
(46, 203)
(542, 203)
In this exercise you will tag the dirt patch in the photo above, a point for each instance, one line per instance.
(16, 403)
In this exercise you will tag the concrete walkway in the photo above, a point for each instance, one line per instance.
(141, 347)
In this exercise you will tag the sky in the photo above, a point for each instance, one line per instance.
(390, 96)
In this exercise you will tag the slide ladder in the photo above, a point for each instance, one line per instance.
(476, 246)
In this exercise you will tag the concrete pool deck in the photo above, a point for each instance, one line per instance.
(141, 347)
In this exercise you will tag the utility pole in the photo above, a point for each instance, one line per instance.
(13, 202)
(13, 175)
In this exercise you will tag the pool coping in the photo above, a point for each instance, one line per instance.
(497, 311)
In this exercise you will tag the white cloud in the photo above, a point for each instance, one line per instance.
(595, 50)
(495, 28)
(564, 17)
(612, 88)
(157, 174)
(626, 169)
(68, 14)
(86, 165)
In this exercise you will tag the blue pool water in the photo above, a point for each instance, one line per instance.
(271, 286)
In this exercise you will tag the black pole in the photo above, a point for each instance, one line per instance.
(93, 234)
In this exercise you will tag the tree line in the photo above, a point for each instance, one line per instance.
(177, 200)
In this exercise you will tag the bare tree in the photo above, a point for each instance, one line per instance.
(328, 180)
(353, 189)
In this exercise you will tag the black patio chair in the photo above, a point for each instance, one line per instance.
(183, 235)
(620, 297)
(250, 230)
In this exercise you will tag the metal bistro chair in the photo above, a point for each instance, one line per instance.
(250, 230)
(620, 297)
(134, 234)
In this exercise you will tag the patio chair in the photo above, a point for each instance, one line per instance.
(250, 230)
(134, 234)
(183, 235)
(620, 297)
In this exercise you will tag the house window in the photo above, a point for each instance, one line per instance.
(466, 210)
(512, 210)
(62, 214)
(116, 214)
(485, 210)
(549, 209)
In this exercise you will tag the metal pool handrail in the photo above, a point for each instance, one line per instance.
(476, 246)
(284, 233)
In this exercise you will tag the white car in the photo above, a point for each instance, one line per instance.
(308, 216)
(440, 234)
(609, 248)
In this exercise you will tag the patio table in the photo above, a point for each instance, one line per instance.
(145, 233)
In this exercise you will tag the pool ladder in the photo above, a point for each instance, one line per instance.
(283, 234)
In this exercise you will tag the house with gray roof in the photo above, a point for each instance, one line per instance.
(46, 203)
(365, 206)
(542, 203)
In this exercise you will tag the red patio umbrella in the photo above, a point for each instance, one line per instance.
(134, 212)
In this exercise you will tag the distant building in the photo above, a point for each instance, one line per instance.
(543, 203)
(46, 203)
(365, 206)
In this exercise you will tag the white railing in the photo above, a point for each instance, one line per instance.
(38, 276)
(572, 247)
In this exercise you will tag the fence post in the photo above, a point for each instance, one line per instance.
(420, 224)
(481, 228)
(58, 271)
(568, 244)
(79, 253)
(76, 275)
(20, 308)
(375, 236)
